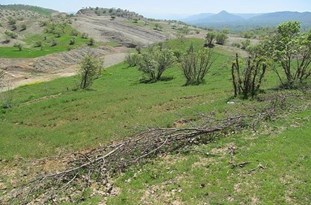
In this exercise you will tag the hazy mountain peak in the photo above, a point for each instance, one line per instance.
(223, 12)
(244, 21)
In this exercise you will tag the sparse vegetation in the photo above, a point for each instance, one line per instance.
(44, 43)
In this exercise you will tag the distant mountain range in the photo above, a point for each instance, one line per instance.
(245, 21)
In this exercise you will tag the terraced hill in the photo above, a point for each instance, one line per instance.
(24, 71)
(125, 27)
(45, 38)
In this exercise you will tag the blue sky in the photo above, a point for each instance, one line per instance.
(159, 8)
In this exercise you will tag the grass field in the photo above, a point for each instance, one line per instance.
(116, 106)
(50, 118)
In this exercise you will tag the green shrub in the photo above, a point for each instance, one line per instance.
(23, 27)
(221, 38)
(10, 34)
(72, 41)
(19, 46)
(74, 33)
(84, 35)
(154, 62)
(91, 42)
(38, 44)
(11, 21)
(195, 65)
(53, 43)
(133, 59)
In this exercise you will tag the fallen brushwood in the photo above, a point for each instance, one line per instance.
(90, 172)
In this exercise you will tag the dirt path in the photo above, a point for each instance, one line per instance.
(28, 71)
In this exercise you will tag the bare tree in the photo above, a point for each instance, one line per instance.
(247, 82)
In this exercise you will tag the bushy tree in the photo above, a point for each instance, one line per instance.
(38, 44)
(84, 35)
(72, 41)
(11, 21)
(210, 37)
(91, 42)
(195, 65)
(90, 69)
(133, 59)
(53, 43)
(23, 27)
(10, 34)
(292, 50)
(245, 44)
(19, 46)
(155, 61)
(157, 27)
(221, 38)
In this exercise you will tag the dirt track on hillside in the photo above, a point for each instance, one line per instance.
(20, 72)
(102, 28)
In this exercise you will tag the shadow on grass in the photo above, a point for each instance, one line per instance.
(162, 79)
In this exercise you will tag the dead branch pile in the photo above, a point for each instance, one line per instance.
(90, 172)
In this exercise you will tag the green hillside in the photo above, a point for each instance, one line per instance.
(269, 164)
(36, 9)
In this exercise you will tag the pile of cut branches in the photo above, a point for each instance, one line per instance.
(90, 172)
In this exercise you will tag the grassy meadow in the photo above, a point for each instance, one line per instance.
(51, 117)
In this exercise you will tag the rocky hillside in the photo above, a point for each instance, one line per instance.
(114, 31)
(125, 27)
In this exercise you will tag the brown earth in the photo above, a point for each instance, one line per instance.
(27, 71)
(121, 30)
